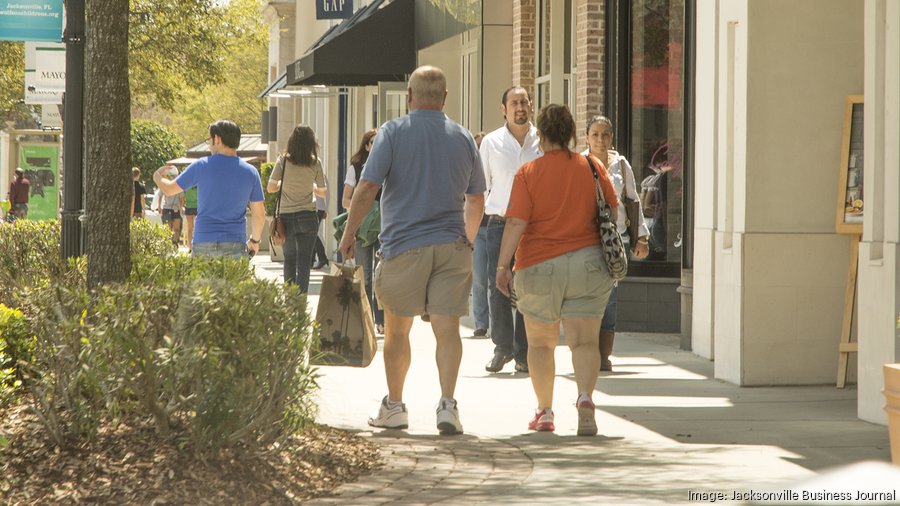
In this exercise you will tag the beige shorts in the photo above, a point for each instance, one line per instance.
(435, 279)
(573, 285)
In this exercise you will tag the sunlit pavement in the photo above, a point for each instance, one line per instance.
(666, 428)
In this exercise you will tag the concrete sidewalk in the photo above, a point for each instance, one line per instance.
(666, 429)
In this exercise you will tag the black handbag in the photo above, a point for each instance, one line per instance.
(610, 240)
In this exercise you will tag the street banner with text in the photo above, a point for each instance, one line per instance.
(35, 20)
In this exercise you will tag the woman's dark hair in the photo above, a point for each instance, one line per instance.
(362, 154)
(228, 131)
(302, 147)
(598, 119)
(555, 124)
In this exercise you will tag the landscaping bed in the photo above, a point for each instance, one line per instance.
(131, 465)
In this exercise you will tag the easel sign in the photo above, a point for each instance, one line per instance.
(849, 219)
(851, 194)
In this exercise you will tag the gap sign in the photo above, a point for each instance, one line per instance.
(334, 9)
(33, 20)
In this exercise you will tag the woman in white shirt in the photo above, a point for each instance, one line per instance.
(365, 255)
(599, 139)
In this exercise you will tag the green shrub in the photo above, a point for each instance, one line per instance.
(265, 172)
(15, 345)
(29, 254)
(152, 144)
(177, 344)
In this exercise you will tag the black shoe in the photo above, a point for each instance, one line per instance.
(320, 265)
(480, 333)
(496, 364)
(522, 367)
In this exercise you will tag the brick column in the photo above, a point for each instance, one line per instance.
(591, 60)
(524, 56)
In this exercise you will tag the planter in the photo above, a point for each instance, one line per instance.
(892, 407)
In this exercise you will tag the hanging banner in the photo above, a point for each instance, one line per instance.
(35, 92)
(36, 20)
(334, 9)
(41, 165)
(49, 65)
(50, 116)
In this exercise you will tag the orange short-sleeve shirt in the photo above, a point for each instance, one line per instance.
(555, 195)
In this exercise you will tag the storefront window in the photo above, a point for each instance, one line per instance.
(554, 53)
(656, 120)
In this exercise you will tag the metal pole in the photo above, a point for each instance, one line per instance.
(72, 240)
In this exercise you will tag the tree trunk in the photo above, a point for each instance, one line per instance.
(107, 141)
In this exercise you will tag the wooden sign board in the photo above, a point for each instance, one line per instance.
(851, 195)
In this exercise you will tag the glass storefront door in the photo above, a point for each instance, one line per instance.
(646, 101)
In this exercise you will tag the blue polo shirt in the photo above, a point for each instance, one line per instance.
(426, 164)
(225, 187)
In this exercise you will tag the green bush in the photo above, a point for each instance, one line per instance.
(152, 144)
(265, 172)
(177, 344)
(30, 255)
(15, 345)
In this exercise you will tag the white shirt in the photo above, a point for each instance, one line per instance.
(621, 175)
(350, 177)
(501, 157)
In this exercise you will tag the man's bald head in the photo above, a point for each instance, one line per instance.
(427, 88)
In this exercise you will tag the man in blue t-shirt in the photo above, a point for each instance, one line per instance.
(431, 206)
(225, 186)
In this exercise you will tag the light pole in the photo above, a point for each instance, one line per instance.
(72, 240)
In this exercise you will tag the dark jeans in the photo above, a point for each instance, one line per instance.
(507, 333)
(319, 255)
(300, 231)
(365, 256)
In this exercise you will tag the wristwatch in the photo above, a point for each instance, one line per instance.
(253, 241)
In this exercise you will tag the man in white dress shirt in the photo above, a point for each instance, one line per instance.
(503, 151)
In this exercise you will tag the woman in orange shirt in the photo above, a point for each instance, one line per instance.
(560, 272)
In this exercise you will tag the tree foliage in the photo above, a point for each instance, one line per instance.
(152, 144)
(12, 85)
(243, 58)
(12, 74)
(174, 44)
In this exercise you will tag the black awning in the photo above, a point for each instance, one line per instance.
(376, 44)
(279, 83)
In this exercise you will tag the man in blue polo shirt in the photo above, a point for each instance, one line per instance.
(225, 186)
(431, 208)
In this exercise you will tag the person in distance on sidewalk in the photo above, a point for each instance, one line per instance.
(599, 139)
(431, 207)
(560, 274)
(503, 151)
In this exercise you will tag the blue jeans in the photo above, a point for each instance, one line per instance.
(300, 230)
(365, 256)
(482, 271)
(233, 250)
(508, 338)
(609, 316)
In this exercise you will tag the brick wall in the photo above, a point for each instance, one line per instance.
(524, 57)
(590, 32)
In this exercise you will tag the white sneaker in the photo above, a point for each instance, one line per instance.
(390, 415)
(448, 417)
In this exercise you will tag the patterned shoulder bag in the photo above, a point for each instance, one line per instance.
(610, 240)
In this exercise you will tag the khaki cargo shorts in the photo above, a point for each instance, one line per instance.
(573, 285)
(435, 279)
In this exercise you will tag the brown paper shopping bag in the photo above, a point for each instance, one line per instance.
(346, 328)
